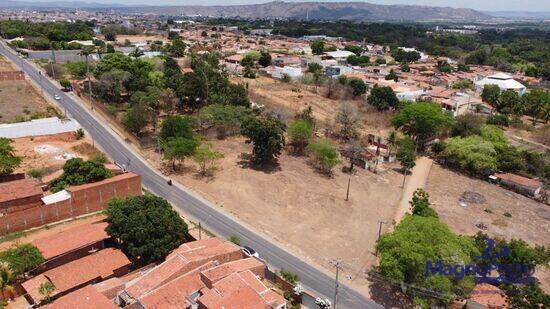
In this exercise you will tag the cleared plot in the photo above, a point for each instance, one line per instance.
(5, 65)
(19, 101)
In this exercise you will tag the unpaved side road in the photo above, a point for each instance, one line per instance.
(418, 179)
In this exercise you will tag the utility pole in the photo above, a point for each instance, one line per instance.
(337, 264)
(200, 231)
(347, 191)
(380, 223)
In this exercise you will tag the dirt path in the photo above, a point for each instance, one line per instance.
(417, 180)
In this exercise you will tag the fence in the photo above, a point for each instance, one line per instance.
(84, 199)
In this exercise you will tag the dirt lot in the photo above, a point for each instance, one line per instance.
(298, 206)
(5, 65)
(290, 98)
(529, 219)
(139, 38)
(50, 152)
(19, 101)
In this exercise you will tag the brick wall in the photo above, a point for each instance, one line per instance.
(12, 75)
(84, 199)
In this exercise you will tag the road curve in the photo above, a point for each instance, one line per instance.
(222, 224)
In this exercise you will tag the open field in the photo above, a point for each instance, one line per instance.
(299, 207)
(5, 65)
(50, 152)
(529, 219)
(290, 98)
(121, 38)
(19, 101)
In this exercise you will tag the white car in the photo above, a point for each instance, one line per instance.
(250, 252)
(57, 97)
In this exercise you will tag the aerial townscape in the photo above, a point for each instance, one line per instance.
(284, 155)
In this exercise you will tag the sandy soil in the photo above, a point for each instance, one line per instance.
(19, 101)
(5, 65)
(139, 38)
(49, 151)
(417, 179)
(299, 207)
(290, 98)
(530, 220)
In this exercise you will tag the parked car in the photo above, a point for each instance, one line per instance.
(250, 252)
(57, 97)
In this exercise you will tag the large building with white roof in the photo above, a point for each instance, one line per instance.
(503, 81)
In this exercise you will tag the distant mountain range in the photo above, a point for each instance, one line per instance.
(355, 11)
(57, 4)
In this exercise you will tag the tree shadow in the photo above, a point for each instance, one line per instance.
(245, 162)
(387, 294)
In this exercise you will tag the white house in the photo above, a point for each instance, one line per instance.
(340, 55)
(503, 81)
(292, 72)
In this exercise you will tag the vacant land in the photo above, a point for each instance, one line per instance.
(121, 38)
(502, 214)
(289, 98)
(49, 153)
(19, 101)
(299, 207)
(5, 65)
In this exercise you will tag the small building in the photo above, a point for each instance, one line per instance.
(337, 70)
(520, 184)
(503, 81)
(291, 72)
(341, 56)
(72, 276)
(20, 194)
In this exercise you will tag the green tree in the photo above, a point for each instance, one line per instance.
(21, 259)
(536, 102)
(467, 125)
(265, 59)
(405, 67)
(7, 288)
(491, 94)
(176, 149)
(177, 48)
(205, 156)
(267, 136)
(324, 154)
(249, 65)
(226, 119)
(65, 83)
(358, 86)
(417, 240)
(356, 49)
(473, 154)
(392, 76)
(383, 98)
(136, 118)
(317, 71)
(145, 226)
(406, 155)
(317, 47)
(510, 103)
(8, 159)
(420, 204)
(77, 172)
(422, 121)
(300, 132)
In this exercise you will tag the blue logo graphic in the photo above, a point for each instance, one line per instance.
(493, 266)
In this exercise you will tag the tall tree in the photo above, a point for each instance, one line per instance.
(406, 155)
(267, 137)
(317, 47)
(8, 159)
(145, 226)
(348, 120)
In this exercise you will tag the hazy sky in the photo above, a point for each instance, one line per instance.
(485, 5)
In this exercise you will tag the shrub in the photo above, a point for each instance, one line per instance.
(234, 239)
(299, 132)
(289, 276)
(498, 120)
(79, 134)
(325, 154)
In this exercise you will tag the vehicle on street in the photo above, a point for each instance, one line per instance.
(250, 252)
(57, 97)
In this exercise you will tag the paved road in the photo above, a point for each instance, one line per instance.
(216, 220)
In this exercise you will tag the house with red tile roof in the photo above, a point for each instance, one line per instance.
(69, 277)
(523, 185)
(71, 244)
(87, 297)
(20, 194)
(241, 290)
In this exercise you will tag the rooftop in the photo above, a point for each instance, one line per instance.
(524, 181)
(86, 298)
(99, 265)
(71, 239)
(19, 189)
(217, 273)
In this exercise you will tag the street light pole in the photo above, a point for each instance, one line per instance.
(338, 266)
(379, 234)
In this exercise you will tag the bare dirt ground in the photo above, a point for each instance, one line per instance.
(19, 101)
(138, 38)
(529, 219)
(50, 151)
(299, 207)
(417, 179)
(290, 98)
(5, 65)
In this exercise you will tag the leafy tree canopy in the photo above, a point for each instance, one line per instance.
(77, 172)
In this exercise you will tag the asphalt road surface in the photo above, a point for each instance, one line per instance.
(314, 279)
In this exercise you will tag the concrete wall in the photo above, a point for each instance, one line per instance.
(84, 199)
